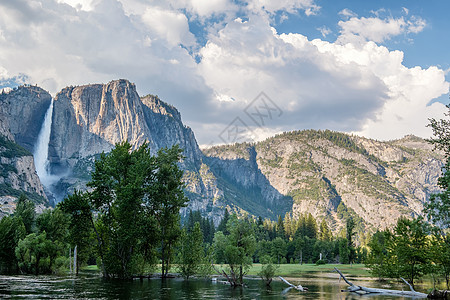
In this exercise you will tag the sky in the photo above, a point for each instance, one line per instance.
(244, 70)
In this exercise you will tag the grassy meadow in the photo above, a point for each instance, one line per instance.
(292, 270)
(296, 270)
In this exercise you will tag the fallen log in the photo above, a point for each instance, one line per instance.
(362, 290)
(297, 287)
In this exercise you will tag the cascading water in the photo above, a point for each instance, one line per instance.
(41, 150)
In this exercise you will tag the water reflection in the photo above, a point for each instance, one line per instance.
(94, 287)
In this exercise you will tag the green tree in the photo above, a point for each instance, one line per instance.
(77, 207)
(438, 207)
(307, 226)
(191, 251)
(379, 261)
(350, 226)
(279, 249)
(120, 183)
(236, 249)
(344, 251)
(324, 232)
(33, 253)
(25, 211)
(281, 232)
(223, 223)
(311, 226)
(440, 255)
(55, 224)
(168, 197)
(410, 246)
(12, 231)
(268, 270)
(325, 248)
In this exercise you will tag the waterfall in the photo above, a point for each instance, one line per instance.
(41, 150)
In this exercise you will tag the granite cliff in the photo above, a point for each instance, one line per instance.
(21, 111)
(333, 175)
(93, 118)
(329, 174)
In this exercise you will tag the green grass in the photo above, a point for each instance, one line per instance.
(295, 270)
(90, 268)
(287, 270)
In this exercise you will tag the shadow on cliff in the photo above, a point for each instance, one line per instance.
(246, 187)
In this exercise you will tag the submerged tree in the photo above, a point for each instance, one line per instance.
(410, 246)
(137, 198)
(403, 253)
(12, 231)
(166, 197)
(80, 224)
(268, 270)
(191, 251)
(236, 249)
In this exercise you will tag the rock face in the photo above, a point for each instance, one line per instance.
(21, 111)
(24, 110)
(333, 175)
(17, 176)
(93, 118)
(244, 186)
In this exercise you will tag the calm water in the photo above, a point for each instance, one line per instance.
(94, 287)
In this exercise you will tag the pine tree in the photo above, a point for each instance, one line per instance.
(325, 232)
(280, 228)
(223, 223)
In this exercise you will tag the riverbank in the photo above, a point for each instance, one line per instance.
(312, 270)
(294, 270)
(354, 272)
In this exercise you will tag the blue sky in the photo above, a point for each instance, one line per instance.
(373, 68)
(424, 49)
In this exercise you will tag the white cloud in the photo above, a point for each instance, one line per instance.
(416, 24)
(324, 31)
(356, 86)
(313, 89)
(61, 46)
(79, 4)
(347, 13)
(406, 108)
(318, 84)
(207, 8)
(169, 25)
(359, 30)
(291, 6)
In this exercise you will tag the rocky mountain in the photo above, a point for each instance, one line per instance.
(90, 119)
(21, 111)
(333, 175)
(329, 174)
(93, 118)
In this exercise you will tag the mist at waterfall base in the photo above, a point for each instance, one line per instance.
(41, 153)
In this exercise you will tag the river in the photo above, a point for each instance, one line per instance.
(92, 286)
